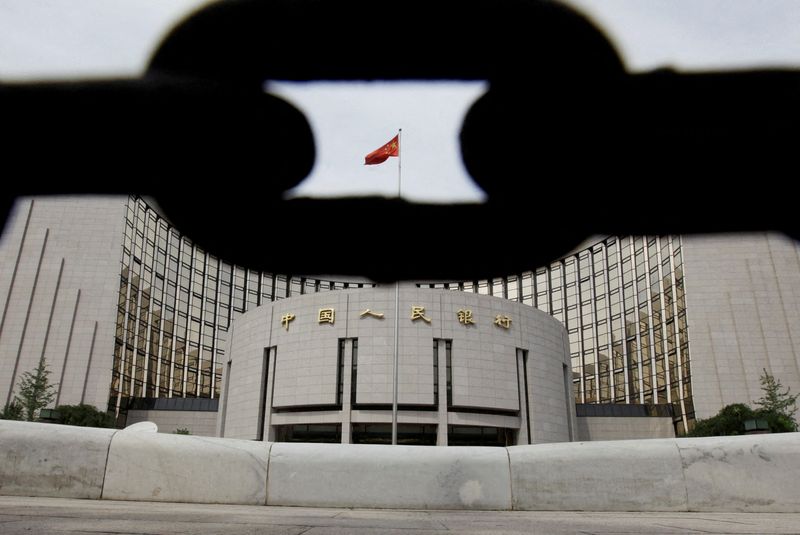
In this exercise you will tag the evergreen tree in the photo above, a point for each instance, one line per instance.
(777, 408)
(776, 402)
(35, 391)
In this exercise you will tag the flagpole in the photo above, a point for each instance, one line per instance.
(396, 310)
(399, 158)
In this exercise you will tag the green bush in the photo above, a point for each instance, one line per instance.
(776, 407)
(728, 421)
(85, 416)
(12, 411)
(778, 423)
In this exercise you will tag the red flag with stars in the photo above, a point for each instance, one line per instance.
(392, 148)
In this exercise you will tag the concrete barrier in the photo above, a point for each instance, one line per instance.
(148, 466)
(718, 474)
(404, 477)
(52, 460)
(622, 475)
(756, 473)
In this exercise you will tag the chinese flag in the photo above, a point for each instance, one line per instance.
(382, 154)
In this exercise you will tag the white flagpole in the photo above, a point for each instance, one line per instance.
(396, 311)
(399, 158)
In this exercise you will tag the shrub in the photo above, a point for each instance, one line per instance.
(85, 416)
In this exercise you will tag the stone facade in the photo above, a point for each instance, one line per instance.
(743, 310)
(299, 371)
(59, 281)
(696, 334)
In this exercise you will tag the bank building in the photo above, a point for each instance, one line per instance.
(624, 337)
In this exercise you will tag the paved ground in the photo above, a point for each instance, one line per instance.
(53, 515)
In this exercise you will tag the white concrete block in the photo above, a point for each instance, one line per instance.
(412, 477)
(755, 473)
(179, 468)
(52, 460)
(641, 475)
(141, 427)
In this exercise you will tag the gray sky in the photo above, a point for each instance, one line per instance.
(101, 38)
(352, 120)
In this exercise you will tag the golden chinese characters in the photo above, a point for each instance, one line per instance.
(465, 317)
(502, 321)
(418, 313)
(326, 315)
(285, 319)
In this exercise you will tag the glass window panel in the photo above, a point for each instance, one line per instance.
(556, 299)
(238, 301)
(222, 316)
(210, 307)
(574, 340)
(588, 337)
(483, 287)
(197, 282)
(569, 269)
(296, 286)
(616, 327)
(613, 278)
(512, 289)
(541, 281)
(641, 288)
(602, 335)
(252, 280)
(630, 301)
(572, 316)
(602, 311)
(281, 287)
(225, 271)
(584, 264)
(586, 290)
(643, 319)
(543, 301)
(196, 306)
(572, 298)
(239, 276)
(310, 286)
(497, 288)
(630, 328)
(677, 257)
(611, 246)
(527, 285)
(618, 356)
(614, 301)
(627, 271)
(599, 283)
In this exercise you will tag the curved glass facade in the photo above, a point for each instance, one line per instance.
(621, 300)
(623, 304)
(176, 303)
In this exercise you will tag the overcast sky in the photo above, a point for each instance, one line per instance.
(101, 38)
